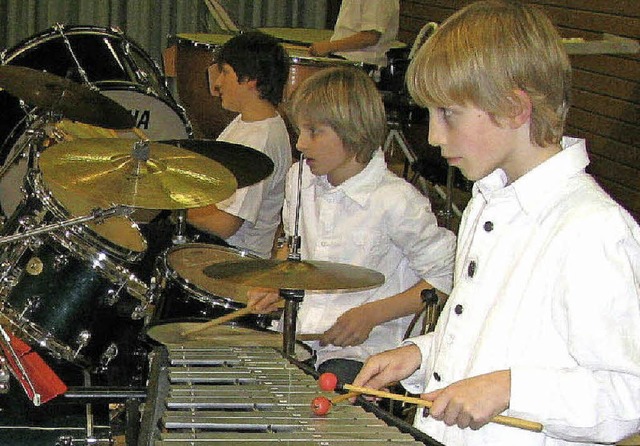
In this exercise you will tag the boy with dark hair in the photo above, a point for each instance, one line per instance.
(253, 71)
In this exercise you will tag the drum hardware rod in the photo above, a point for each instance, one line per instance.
(179, 237)
(293, 298)
(83, 74)
(21, 152)
(396, 134)
(97, 215)
(108, 394)
(6, 341)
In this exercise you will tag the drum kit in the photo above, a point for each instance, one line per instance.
(70, 282)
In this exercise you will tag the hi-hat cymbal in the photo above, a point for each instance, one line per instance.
(146, 175)
(57, 94)
(248, 165)
(310, 275)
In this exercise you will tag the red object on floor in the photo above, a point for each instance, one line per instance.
(27, 365)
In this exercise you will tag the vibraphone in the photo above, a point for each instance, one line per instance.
(246, 396)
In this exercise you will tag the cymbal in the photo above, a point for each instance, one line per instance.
(310, 275)
(248, 165)
(74, 101)
(131, 173)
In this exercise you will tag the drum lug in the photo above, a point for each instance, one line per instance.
(59, 262)
(113, 296)
(139, 312)
(107, 356)
(82, 340)
(4, 376)
(32, 305)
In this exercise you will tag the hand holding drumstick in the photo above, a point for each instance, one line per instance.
(265, 300)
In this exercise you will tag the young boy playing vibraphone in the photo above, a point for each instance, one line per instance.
(543, 322)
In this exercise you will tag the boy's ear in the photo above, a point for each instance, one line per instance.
(521, 108)
(252, 83)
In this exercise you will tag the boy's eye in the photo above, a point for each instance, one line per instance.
(446, 112)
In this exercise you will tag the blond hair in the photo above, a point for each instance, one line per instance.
(487, 51)
(346, 100)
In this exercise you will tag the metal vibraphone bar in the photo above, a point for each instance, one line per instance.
(247, 396)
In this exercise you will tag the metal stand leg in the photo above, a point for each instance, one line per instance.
(396, 135)
(292, 299)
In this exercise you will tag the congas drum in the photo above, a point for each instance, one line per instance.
(182, 292)
(298, 36)
(63, 290)
(107, 60)
(194, 55)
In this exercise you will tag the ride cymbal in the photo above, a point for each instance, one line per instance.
(310, 275)
(248, 165)
(139, 174)
(74, 101)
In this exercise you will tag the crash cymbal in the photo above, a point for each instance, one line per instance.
(145, 175)
(248, 165)
(57, 94)
(310, 275)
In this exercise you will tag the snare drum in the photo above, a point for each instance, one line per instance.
(182, 292)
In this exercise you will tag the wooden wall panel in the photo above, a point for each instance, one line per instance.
(606, 90)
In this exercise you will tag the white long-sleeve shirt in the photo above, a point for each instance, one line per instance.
(546, 284)
(375, 220)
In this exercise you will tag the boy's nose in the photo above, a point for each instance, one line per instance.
(301, 143)
(213, 75)
(436, 135)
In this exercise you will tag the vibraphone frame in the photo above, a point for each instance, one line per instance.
(250, 396)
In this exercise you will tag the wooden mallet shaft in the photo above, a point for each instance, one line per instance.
(499, 419)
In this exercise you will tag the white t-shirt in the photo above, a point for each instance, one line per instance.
(547, 284)
(259, 204)
(368, 15)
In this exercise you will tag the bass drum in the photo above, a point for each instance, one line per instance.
(182, 292)
(106, 59)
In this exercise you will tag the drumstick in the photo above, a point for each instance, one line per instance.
(499, 419)
(222, 319)
(217, 321)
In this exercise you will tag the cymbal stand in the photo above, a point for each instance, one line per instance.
(292, 298)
